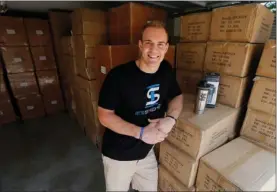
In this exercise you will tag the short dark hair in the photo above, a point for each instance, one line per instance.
(156, 24)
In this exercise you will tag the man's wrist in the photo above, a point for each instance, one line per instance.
(137, 131)
(171, 117)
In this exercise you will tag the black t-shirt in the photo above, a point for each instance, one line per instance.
(135, 96)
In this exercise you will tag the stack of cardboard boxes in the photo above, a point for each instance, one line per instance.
(260, 123)
(237, 165)
(192, 137)
(236, 62)
(191, 51)
(40, 43)
(27, 52)
(19, 67)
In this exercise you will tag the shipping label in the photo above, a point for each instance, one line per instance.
(195, 29)
(42, 58)
(269, 97)
(181, 136)
(10, 31)
(39, 32)
(223, 89)
(172, 162)
(222, 59)
(232, 24)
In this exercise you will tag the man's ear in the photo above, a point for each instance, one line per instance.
(166, 48)
(140, 44)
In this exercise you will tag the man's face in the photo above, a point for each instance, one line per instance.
(153, 45)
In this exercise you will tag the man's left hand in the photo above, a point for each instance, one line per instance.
(164, 124)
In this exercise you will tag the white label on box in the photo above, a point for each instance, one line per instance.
(17, 60)
(10, 31)
(42, 58)
(23, 84)
(30, 107)
(1, 113)
(54, 102)
(39, 32)
(48, 81)
(103, 70)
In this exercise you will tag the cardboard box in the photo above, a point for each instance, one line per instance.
(23, 84)
(181, 165)
(43, 58)
(234, 91)
(31, 106)
(68, 47)
(260, 128)
(3, 89)
(267, 65)
(195, 27)
(7, 114)
(79, 108)
(191, 56)
(197, 135)
(38, 32)
(112, 56)
(60, 25)
(237, 166)
(238, 59)
(88, 86)
(53, 103)
(17, 59)
(170, 55)
(86, 54)
(12, 32)
(48, 81)
(126, 22)
(263, 95)
(68, 69)
(167, 182)
(90, 22)
(244, 23)
(188, 80)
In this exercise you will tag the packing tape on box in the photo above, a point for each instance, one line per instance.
(232, 167)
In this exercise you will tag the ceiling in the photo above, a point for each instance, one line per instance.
(174, 8)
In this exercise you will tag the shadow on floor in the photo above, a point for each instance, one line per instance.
(49, 154)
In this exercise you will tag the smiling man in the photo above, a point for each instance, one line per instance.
(139, 103)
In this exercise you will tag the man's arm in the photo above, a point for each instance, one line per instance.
(175, 106)
(109, 119)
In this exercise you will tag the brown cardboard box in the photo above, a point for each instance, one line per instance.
(90, 22)
(60, 25)
(12, 31)
(23, 84)
(244, 23)
(79, 107)
(112, 56)
(167, 182)
(237, 166)
(68, 47)
(180, 164)
(7, 114)
(30, 106)
(43, 58)
(17, 59)
(260, 128)
(48, 81)
(197, 135)
(170, 56)
(191, 56)
(86, 54)
(267, 65)
(53, 103)
(126, 22)
(234, 91)
(188, 80)
(3, 90)
(195, 27)
(88, 86)
(263, 95)
(38, 32)
(68, 69)
(238, 59)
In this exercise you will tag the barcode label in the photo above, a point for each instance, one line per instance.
(42, 58)
(39, 32)
(10, 31)
(103, 70)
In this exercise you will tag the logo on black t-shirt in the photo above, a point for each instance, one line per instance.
(152, 95)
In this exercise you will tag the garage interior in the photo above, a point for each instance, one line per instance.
(53, 152)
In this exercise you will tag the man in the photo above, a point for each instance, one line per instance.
(132, 105)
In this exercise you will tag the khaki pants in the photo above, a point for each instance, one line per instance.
(143, 174)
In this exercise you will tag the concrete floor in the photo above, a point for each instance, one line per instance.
(49, 154)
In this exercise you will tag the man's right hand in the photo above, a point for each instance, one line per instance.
(152, 135)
